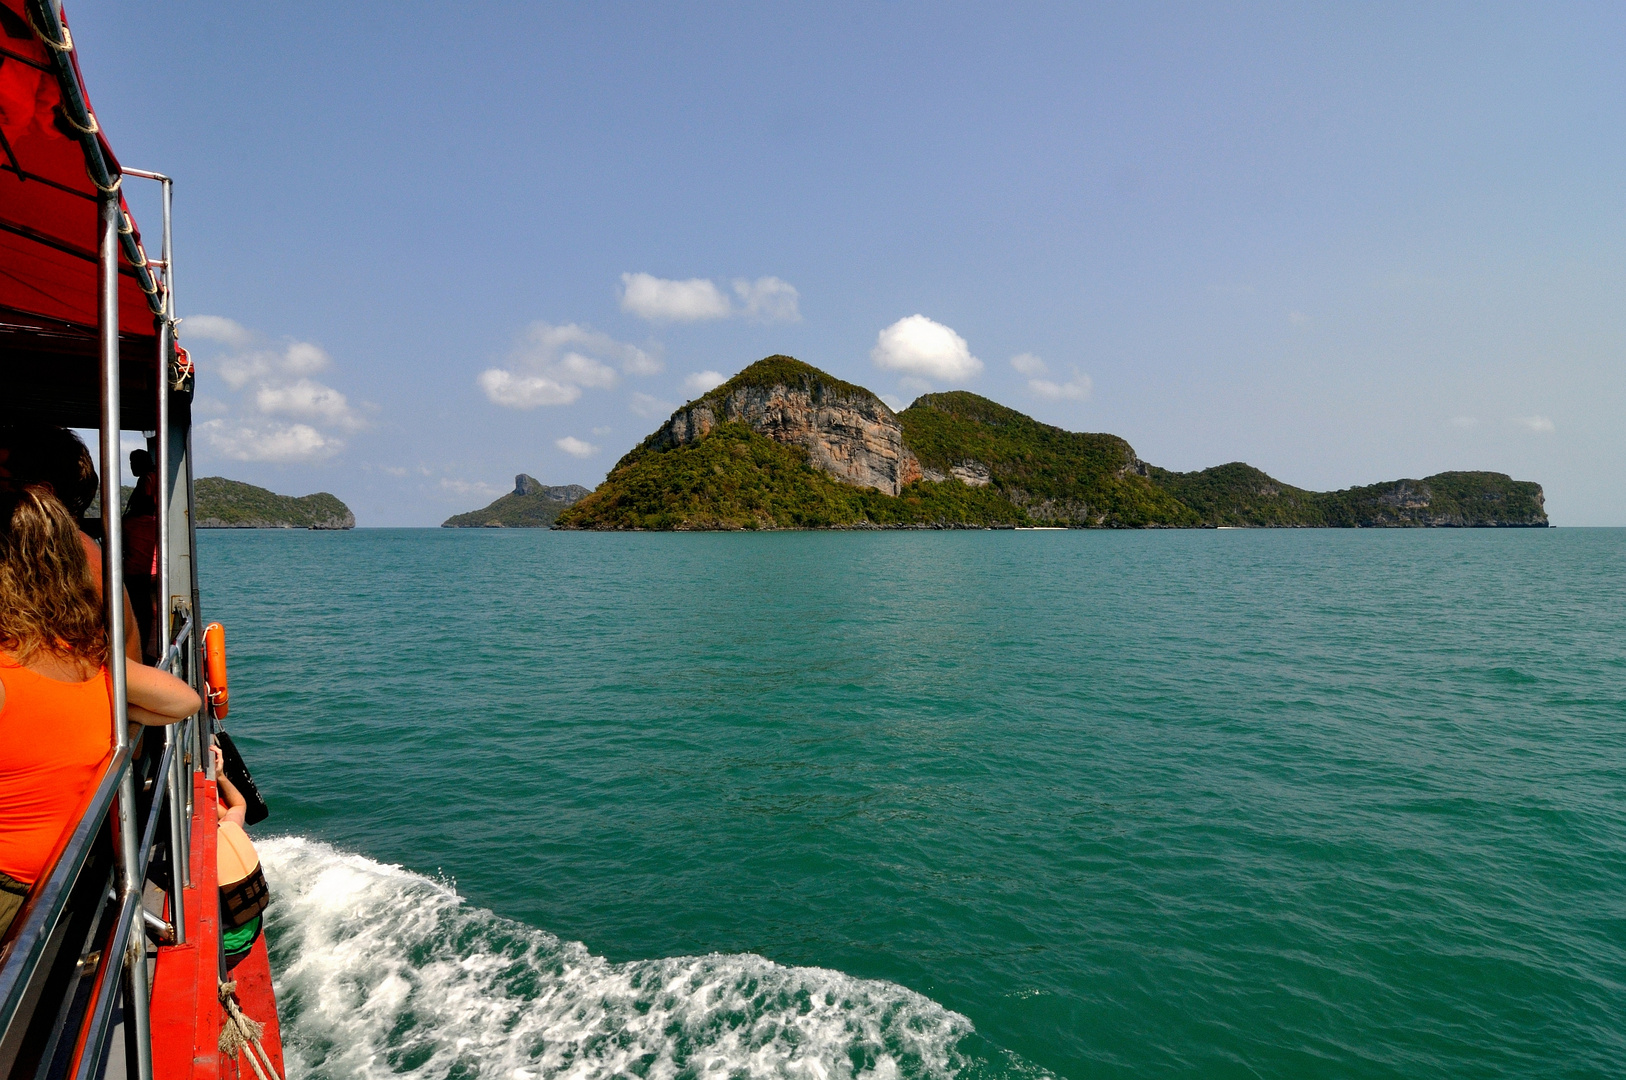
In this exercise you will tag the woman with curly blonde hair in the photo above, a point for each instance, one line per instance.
(56, 708)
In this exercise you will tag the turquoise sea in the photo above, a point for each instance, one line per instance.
(977, 804)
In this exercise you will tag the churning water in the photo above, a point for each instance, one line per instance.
(1274, 804)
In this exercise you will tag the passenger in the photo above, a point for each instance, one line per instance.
(243, 892)
(55, 457)
(55, 697)
(141, 550)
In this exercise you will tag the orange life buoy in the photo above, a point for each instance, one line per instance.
(214, 666)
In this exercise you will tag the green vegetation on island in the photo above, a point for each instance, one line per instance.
(231, 504)
(963, 460)
(531, 505)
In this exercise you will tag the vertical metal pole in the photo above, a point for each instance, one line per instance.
(179, 833)
(136, 1002)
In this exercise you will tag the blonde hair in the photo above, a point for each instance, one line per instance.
(48, 602)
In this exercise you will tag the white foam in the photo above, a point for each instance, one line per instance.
(383, 972)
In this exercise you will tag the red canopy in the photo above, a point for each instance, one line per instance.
(48, 216)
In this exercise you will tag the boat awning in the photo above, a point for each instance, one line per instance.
(54, 163)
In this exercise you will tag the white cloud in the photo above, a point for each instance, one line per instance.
(471, 487)
(1075, 389)
(894, 402)
(276, 411)
(918, 346)
(552, 364)
(701, 381)
(575, 447)
(650, 297)
(603, 431)
(265, 441)
(525, 391)
(1298, 318)
(1540, 425)
(768, 299)
(1464, 421)
(308, 400)
(217, 328)
(649, 406)
(1030, 365)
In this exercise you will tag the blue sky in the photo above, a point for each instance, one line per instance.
(1344, 243)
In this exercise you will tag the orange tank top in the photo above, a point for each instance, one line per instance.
(54, 737)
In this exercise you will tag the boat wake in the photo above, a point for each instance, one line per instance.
(383, 973)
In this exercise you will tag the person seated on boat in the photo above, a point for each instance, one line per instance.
(243, 892)
(56, 458)
(55, 693)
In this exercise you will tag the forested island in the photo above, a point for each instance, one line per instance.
(232, 504)
(785, 445)
(531, 505)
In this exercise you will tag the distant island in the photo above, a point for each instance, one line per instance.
(785, 445)
(531, 505)
(231, 504)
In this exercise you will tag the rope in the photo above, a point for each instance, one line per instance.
(126, 226)
(65, 45)
(240, 1035)
(112, 190)
(93, 129)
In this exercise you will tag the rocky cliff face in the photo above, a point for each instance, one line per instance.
(848, 433)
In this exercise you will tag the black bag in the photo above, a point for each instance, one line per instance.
(237, 773)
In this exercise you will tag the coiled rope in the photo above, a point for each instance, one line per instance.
(242, 1035)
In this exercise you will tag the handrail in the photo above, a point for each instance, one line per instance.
(111, 965)
(160, 795)
(174, 651)
(50, 894)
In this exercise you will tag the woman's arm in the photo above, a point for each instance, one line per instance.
(157, 697)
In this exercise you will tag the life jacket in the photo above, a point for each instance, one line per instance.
(243, 892)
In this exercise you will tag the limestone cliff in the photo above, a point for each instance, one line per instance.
(848, 432)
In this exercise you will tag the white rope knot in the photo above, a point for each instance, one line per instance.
(240, 1035)
(112, 189)
(64, 45)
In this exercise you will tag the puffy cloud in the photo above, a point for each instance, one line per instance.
(1540, 425)
(1029, 365)
(649, 406)
(650, 297)
(276, 412)
(701, 381)
(308, 400)
(268, 441)
(767, 299)
(575, 447)
(552, 364)
(219, 329)
(1075, 389)
(926, 349)
(525, 391)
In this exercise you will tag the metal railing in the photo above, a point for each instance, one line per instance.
(35, 952)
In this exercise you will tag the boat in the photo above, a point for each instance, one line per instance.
(115, 964)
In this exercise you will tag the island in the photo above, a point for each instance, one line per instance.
(785, 445)
(232, 504)
(531, 505)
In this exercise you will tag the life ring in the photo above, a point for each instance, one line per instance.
(214, 666)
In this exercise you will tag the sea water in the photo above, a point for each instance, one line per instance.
(925, 805)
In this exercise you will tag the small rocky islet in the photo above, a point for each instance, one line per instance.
(785, 445)
(232, 504)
